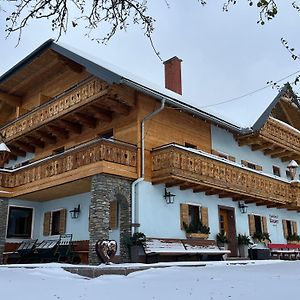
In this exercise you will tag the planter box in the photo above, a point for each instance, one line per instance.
(259, 254)
(196, 235)
(294, 242)
(243, 251)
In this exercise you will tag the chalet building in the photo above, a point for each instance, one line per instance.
(101, 154)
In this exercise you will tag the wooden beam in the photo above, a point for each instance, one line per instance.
(114, 106)
(262, 146)
(71, 126)
(86, 120)
(16, 151)
(226, 195)
(59, 132)
(75, 67)
(201, 189)
(249, 140)
(100, 113)
(212, 192)
(11, 100)
(238, 198)
(282, 154)
(46, 137)
(24, 146)
(187, 186)
(274, 151)
(34, 141)
(173, 183)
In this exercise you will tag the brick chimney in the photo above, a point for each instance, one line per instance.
(173, 74)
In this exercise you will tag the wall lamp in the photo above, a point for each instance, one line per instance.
(243, 207)
(75, 212)
(169, 197)
(292, 167)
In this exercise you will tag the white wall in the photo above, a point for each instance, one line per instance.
(12, 163)
(78, 227)
(159, 219)
(223, 141)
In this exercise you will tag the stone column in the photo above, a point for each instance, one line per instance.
(3, 219)
(105, 189)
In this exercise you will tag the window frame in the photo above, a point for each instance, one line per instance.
(199, 209)
(32, 222)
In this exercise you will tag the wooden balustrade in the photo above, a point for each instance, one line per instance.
(85, 155)
(174, 164)
(77, 97)
(281, 135)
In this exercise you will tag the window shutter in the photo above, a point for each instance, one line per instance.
(113, 215)
(184, 215)
(295, 229)
(244, 163)
(232, 158)
(204, 216)
(264, 224)
(258, 168)
(251, 222)
(46, 226)
(284, 226)
(62, 221)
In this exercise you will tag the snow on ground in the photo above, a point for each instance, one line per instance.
(215, 281)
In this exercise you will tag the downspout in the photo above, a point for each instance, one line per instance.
(134, 199)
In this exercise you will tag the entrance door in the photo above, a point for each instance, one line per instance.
(227, 226)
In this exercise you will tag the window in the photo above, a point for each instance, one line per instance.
(251, 165)
(289, 228)
(257, 224)
(276, 171)
(288, 174)
(55, 222)
(19, 222)
(223, 155)
(192, 215)
(113, 215)
(59, 150)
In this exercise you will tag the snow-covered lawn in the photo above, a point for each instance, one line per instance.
(269, 280)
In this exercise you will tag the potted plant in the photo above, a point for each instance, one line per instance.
(222, 240)
(135, 245)
(293, 239)
(196, 230)
(243, 244)
(261, 237)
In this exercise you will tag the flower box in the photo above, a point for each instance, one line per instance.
(294, 242)
(196, 235)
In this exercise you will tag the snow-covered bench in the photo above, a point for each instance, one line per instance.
(157, 249)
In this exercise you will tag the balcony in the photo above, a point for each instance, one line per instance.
(276, 139)
(68, 113)
(97, 156)
(175, 165)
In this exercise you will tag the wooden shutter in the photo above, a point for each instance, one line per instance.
(62, 221)
(295, 229)
(285, 230)
(46, 226)
(184, 214)
(231, 158)
(204, 216)
(258, 168)
(251, 222)
(113, 215)
(264, 224)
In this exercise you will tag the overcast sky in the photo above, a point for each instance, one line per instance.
(225, 55)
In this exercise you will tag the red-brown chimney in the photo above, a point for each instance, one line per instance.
(173, 74)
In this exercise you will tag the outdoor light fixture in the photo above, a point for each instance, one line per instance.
(243, 207)
(169, 197)
(292, 167)
(4, 153)
(75, 212)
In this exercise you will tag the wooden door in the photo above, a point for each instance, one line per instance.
(227, 226)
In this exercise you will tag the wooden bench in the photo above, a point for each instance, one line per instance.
(162, 249)
(285, 251)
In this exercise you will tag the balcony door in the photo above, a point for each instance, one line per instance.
(227, 226)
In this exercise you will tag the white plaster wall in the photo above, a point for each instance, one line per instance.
(223, 141)
(20, 159)
(78, 227)
(159, 219)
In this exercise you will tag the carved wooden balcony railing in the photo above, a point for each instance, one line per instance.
(275, 139)
(118, 155)
(86, 92)
(176, 166)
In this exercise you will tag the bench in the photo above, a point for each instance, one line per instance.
(158, 249)
(22, 252)
(285, 251)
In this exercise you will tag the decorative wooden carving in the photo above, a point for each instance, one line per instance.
(96, 151)
(172, 162)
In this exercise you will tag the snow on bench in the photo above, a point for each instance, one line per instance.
(180, 248)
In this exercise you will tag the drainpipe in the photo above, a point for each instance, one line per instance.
(134, 199)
